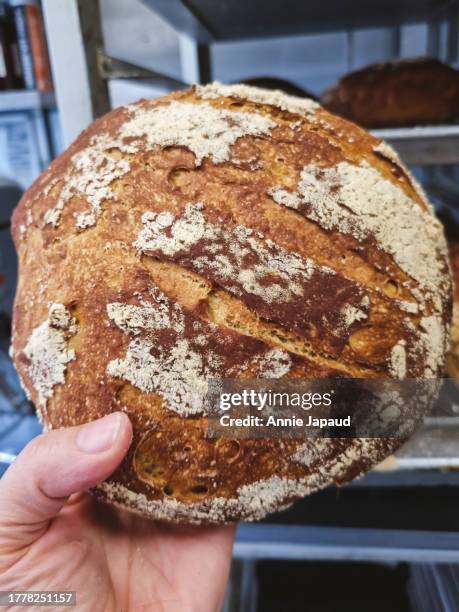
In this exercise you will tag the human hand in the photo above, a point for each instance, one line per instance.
(54, 536)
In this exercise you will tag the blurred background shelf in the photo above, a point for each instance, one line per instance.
(424, 145)
(206, 20)
(23, 100)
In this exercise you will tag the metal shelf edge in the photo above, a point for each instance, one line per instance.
(424, 145)
(294, 542)
(23, 99)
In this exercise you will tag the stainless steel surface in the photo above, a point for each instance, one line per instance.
(195, 59)
(436, 445)
(91, 33)
(400, 477)
(424, 145)
(113, 68)
(434, 587)
(294, 542)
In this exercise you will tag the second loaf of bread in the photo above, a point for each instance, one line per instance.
(398, 93)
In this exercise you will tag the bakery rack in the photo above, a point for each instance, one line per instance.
(207, 21)
(24, 99)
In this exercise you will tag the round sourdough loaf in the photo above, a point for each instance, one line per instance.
(222, 231)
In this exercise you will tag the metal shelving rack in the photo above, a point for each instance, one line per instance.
(203, 23)
(23, 99)
(36, 105)
(207, 21)
(424, 145)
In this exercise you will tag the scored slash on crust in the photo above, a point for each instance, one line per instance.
(173, 353)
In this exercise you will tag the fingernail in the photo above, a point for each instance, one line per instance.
(99, 436)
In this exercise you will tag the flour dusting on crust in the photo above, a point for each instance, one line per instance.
(207, 131)
(174, 354)
(253, 502)
(385, 150)
(358, 200)
(397, 366)
(160, 314)
(279, 285)
(226, 252)
(47, 351)
(431, 343)
(91, 173)
(351, 314)
(292, 104)
(275, 363)
(434, 344)
(410, 307)
(177, 372)
(194, 238)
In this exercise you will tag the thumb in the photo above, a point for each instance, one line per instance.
(52, 467)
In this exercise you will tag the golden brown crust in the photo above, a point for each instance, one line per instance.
(159, 259)
(397, 94)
